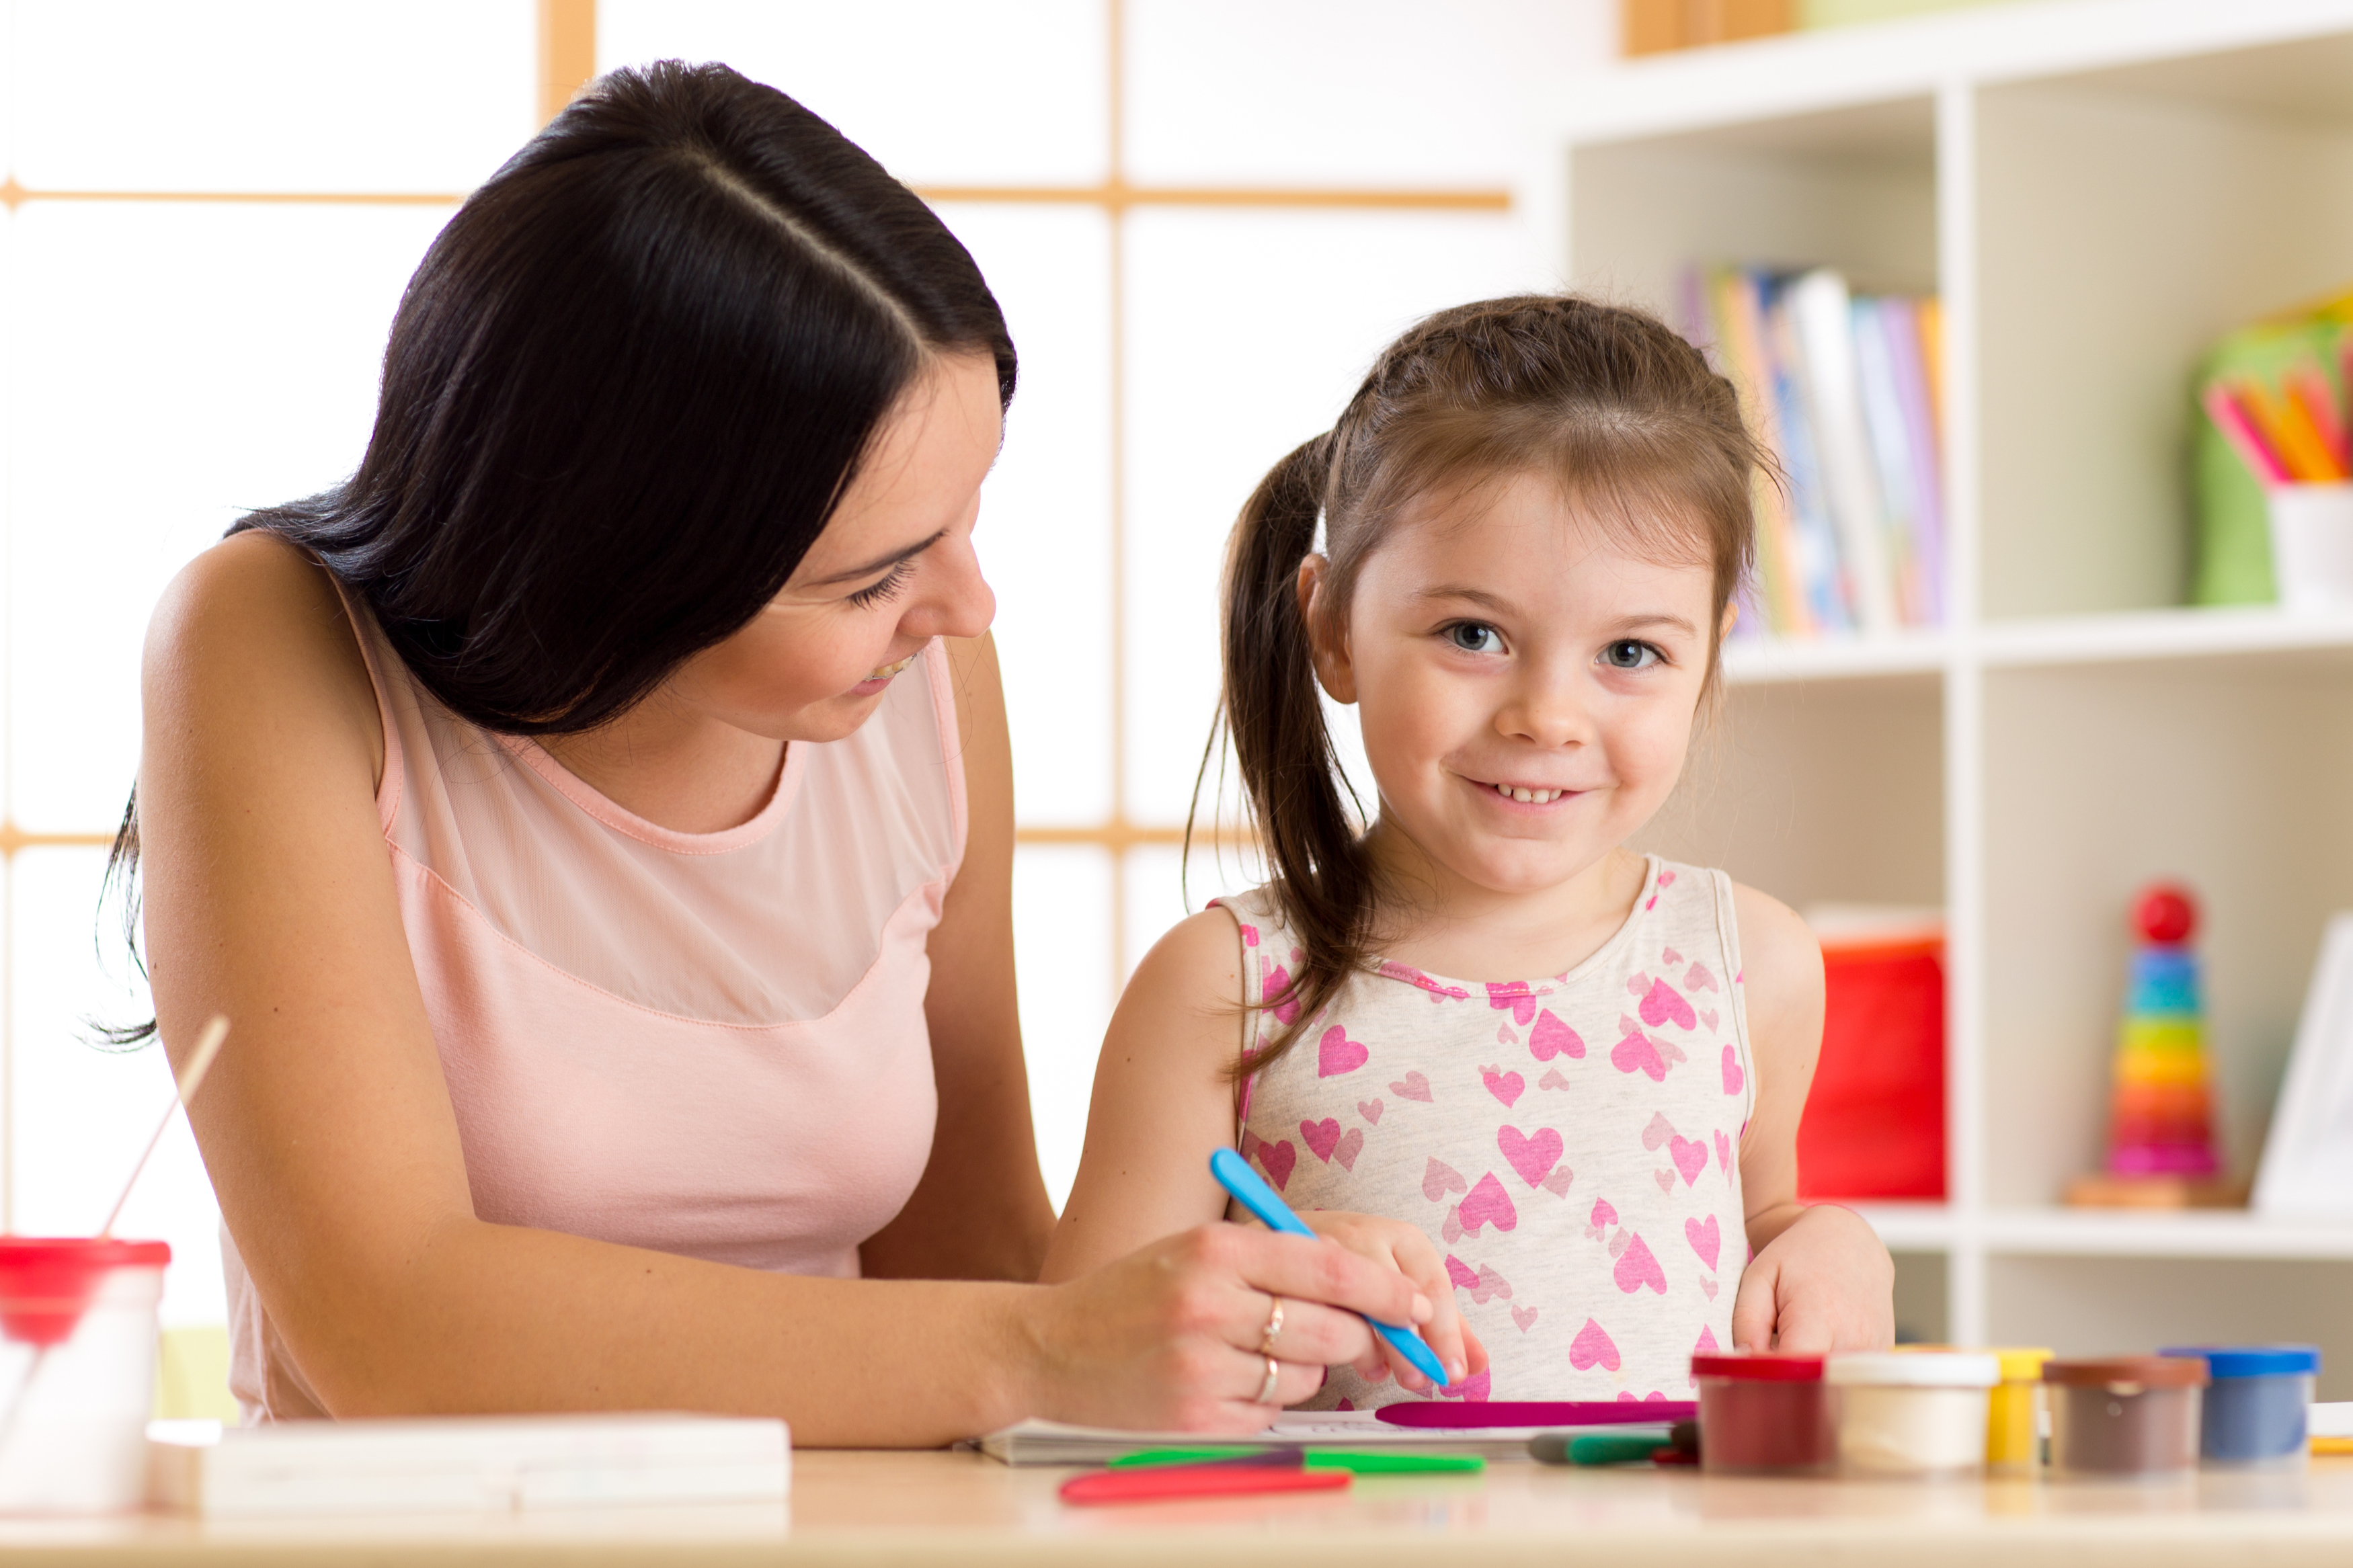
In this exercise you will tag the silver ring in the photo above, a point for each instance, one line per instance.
(1273, 1329)
(1266, 1389)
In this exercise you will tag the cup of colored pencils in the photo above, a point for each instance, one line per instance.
(2294, 439)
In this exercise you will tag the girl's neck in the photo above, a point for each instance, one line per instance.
(1443, 924)
(673, 767)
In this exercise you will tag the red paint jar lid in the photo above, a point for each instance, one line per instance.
(1759, 1367)
(2150, 1371)
(19, 1253)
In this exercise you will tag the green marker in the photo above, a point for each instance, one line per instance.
(1144, 1457)
(1387, 1463)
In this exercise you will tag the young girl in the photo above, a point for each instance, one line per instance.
(1535, 516)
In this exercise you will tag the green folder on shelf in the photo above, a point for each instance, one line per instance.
(2232, 562)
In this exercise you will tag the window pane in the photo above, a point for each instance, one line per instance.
(1045, 522)
(81, 1115)
(1062, 945)
(248, 95)
(172, 367)
(943, 91)
(1162, 889)
(1248, 331)
(1370, 94)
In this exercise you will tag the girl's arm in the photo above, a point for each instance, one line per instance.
(1163, 1101)
(327, 1131)
(981, 1211)
(1820, 1279)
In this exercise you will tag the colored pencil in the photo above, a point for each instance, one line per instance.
(2240, 431)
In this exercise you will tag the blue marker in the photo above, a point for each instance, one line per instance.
(1250, 1191)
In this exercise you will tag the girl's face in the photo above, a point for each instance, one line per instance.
(893, 568)
(1527, 681)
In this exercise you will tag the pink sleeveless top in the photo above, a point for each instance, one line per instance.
(711, 1044)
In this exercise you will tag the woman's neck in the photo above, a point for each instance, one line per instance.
(1442, 924)
(676, 768)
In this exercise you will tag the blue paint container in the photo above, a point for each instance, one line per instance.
(2257, 1405)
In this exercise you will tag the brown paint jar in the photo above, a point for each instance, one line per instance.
(2125, 1415)
(1765, 1415)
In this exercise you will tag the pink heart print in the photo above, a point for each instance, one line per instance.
(1322, 1137)
(1490, 1285)
(1602, 1217)
(1636, 1267)
(1471, 1388)
(1351, 1144)
(1733, 1077)
(1249, 935)
(1551, 1039)
(1708, 1019)
(1690, 1156)
(1699, 977)
(1461, 1273)
(1336, 1053)
(1413, 1086)
(1709, 1287)
(1593, 1347)
(1452, 1231)
(1532, 1157)
(1370, 1110)
(1277, 983)
(1666, 1180)
(1635, 1053)
(1524, 1318)
(1559, 1182)
(1723, 1151)
(1552, 1079)
(1665, 1004)
(1513, 996)
(1618, 1242)
(1658, 1131)
(1279, 1159)
(1504, 1086)
(1707, 1240)
(1439, 1178)
(1637, 982)
(1671, 958)
(1506, 1035)
(1489, 1203)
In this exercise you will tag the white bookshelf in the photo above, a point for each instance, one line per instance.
(2098, 189)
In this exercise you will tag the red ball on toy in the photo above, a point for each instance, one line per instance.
(2165, 912)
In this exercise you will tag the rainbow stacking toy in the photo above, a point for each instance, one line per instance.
(2161, 1111)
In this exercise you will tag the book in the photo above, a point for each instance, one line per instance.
(1822, 319)
(1058, 1443)
(469, 1464)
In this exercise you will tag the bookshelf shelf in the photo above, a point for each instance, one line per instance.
(2096, 189)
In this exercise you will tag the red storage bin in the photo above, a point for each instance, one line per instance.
(1874, 1122)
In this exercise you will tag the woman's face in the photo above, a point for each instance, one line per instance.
(893, 568)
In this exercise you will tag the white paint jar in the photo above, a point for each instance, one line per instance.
(1911, 1413)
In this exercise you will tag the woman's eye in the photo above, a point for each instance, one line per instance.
(867, 598)
(1627, 654)
(1473, 638)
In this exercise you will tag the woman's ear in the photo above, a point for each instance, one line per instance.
(1327, 630)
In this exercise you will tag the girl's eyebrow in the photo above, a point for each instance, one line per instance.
(1478, 596)
(1658, 618)
(882, 563)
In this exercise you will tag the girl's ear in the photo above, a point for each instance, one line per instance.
(1327, 630)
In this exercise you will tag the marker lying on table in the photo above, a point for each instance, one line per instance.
(1153, 1483)
(1363, 1464)
(1250, 1191)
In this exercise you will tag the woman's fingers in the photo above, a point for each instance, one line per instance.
(1323, 1275)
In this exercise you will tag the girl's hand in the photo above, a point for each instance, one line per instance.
(1406, 1249)
(1168, 1337)
(1824, 1284)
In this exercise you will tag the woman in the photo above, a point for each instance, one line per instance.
(597, 818)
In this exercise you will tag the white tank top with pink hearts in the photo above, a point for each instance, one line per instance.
(1571, 1144)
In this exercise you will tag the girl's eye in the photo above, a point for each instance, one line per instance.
(1472, 636)
(867, 598)
(1627, 654)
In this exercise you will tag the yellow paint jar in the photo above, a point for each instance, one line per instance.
(2014, 1420)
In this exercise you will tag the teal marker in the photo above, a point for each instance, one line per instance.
(1250, 1191)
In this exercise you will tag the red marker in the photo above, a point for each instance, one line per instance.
(1153, 1483)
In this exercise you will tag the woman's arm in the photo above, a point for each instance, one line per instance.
(1820, 1279)
(980, 1212)
(329, 1136)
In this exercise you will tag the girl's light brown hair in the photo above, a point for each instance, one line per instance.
(1623, 414)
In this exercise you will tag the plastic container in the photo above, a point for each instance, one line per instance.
(2125, 1415)
(2256, 1405)
(1875, 1120)
(2312, 545)
(1911, 1413)
(2014, 1413)
(77, 1371)
(1764, 1414)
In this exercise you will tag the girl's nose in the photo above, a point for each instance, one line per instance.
(1546, 710)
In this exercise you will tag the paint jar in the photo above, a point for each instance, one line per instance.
(77, 1371)
(2312, 545)
(2014, 1413)
(2256, 1406)
(1911, 1413)
(2124, 1416)
(1764, 1414)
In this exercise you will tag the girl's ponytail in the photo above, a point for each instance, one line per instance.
(1272, 709)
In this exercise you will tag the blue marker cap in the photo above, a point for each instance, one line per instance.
(1249, 1190)
(2250, 1360)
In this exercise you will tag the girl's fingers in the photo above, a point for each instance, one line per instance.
(1755, 1308)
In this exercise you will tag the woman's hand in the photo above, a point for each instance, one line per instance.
(1406, 1249)
(1824, 1283)
(1168, 1338)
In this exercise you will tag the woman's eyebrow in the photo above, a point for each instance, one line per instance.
(880, 564)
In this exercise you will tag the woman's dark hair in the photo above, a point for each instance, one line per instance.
(1623, 415)
(622, 395)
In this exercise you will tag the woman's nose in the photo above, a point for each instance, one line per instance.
(958, 602)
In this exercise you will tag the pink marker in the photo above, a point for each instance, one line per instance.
(2240, 431)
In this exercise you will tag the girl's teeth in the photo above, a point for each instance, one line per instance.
(1529, 796)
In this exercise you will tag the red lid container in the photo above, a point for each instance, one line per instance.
(47, 1282)
(1760, 1366)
